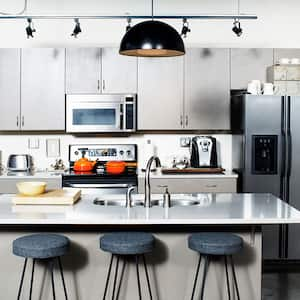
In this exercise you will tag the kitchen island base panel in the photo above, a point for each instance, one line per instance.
(171, 267)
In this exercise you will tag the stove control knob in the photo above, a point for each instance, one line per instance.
(121, 152)
(76, 152)
(128, 152)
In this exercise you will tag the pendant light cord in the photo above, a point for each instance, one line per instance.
(21, 12)
(152, 9)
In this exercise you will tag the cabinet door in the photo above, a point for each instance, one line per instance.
(119, 72)
(43, 89)
(83, 70)
(207, 89)
(249, 64)
(160, 93)
(10, 89)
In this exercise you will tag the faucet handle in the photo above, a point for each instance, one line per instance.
(128, 195)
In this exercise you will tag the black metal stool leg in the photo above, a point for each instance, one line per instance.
(227, 277)
(121, 278)
(115, 279)
(206, 258)
(234, 277)
(196, 277)
(22, 278)
(31, 280)
(108, 277)
(138, 276)
(147, 276)
(51, 263)
(62, 277)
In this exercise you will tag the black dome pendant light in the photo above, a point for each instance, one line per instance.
(152, 39)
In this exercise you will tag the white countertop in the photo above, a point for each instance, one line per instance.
(158, 174)
(214, 209)
(34, 175)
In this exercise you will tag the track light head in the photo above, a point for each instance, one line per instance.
(77, 28)
(128, 27)
(237, 28)
(30, 29)
(185, 28)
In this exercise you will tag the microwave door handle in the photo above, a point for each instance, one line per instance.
(121, 116)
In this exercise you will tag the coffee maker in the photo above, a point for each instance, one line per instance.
(204, 152)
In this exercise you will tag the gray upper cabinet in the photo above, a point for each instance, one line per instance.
(285, 53)
(248, 64)
(83, 70)
(10, 89)
(119, 73)
(160, 93)
(43, 89)
(207, 89)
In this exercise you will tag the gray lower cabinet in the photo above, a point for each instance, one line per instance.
(207, 89)
(8, 185)
(191, 185)
(83, 70)
(119, 72)
(9, 89)
(248, 64)
(160, 93)
(43, 89)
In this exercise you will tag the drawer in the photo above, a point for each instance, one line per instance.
(188, 185)
(8, 185)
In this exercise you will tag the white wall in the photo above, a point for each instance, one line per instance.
(167, 146)
(278, 24)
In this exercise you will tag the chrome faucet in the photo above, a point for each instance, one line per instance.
(129, 196)
(147, 200)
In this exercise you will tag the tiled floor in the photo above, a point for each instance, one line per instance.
(281, 286)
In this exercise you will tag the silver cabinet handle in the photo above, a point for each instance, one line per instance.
(99, 186)
(98, 85)
(181, 120)
(103, 84)
(17, 121)
(23, 121)
(186, 120)
(211, 185)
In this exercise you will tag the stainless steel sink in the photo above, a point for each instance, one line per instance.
(157, 200)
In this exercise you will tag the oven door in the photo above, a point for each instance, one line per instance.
(94, 116)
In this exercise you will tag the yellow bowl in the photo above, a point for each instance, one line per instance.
(31, 188)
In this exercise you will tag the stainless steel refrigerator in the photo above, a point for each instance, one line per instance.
(268, 129)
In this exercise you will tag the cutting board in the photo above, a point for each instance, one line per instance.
(193, 171)
(55, 197)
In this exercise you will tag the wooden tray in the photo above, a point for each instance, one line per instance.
(193, 171)
(55, 197)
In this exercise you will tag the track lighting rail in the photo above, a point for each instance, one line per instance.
(190, 17)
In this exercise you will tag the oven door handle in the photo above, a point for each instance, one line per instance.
(99, 186)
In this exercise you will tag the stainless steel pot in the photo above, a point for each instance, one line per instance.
(20, 162)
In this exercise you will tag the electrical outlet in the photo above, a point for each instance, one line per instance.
(33, 143)
(53, 147)
(185, 142)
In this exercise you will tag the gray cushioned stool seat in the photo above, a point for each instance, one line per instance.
(41, 246)
(127, 243)
(215, 243)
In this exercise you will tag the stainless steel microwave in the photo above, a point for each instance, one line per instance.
(101, 113)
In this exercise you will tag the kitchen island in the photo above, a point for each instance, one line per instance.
(172, 265)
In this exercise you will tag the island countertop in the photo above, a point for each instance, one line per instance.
(213, 209)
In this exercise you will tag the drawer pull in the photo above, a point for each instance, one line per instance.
(211, 185)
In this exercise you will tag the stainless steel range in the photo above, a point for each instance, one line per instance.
(98, 181)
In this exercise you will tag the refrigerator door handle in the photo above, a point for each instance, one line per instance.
(283, 160)
(289, 139)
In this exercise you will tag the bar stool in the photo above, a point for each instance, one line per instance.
(124, 245)
(213, 244)
(42, 247)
